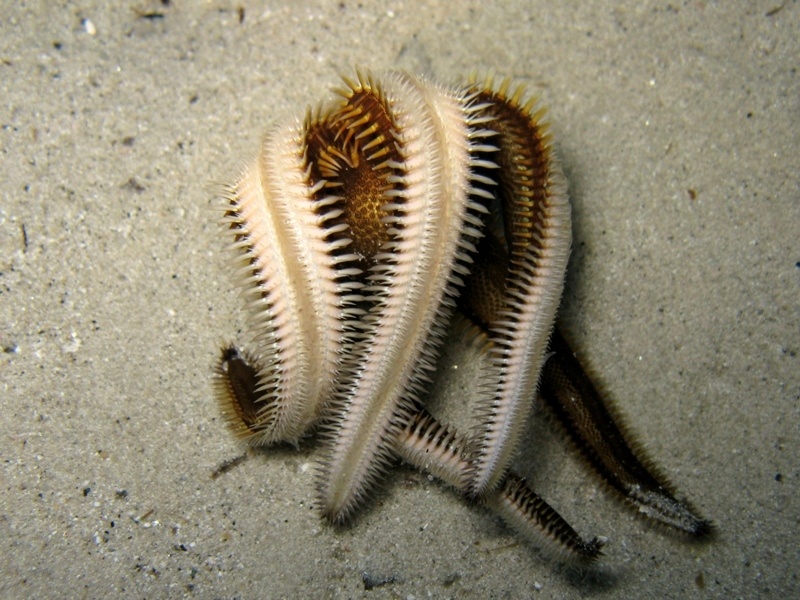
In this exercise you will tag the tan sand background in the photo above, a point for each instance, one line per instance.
(678, 124)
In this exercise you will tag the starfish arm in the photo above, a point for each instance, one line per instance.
(410, 286)
(530, 516)
(442, 451)
(536, 234)
(290, 279)
(594, 429)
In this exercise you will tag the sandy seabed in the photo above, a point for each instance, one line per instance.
(678, 127)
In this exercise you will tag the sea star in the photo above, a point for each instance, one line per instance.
(358, 232)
